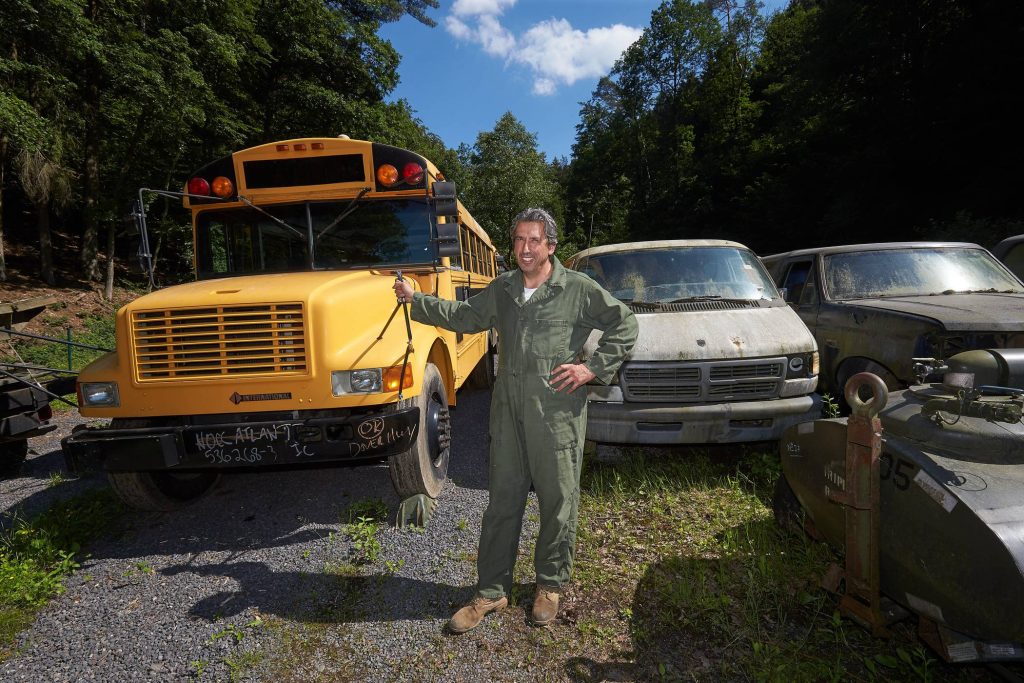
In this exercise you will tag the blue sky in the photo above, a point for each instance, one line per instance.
(536, 58)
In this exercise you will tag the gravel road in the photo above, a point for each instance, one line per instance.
(255, 582)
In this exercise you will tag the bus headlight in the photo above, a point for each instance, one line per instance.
(356, 381)
(100, 394)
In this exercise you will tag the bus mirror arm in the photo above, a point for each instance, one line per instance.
(138, 216)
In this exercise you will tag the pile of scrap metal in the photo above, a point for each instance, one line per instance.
(25, 389)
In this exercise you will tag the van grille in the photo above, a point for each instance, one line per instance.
(702, 381)
(219, 342)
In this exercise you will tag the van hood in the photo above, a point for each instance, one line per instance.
(717, 335)
(955, 312)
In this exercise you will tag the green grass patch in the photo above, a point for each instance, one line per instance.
(36, 554)
(98, 331)
(681, 561)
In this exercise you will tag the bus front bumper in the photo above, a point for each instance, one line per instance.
(315, 440)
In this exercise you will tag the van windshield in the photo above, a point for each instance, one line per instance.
(678, 274)
(313, 236)
(914, 272)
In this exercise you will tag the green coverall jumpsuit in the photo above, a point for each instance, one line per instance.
(537, 433)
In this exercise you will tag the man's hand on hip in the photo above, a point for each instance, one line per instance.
(571, 376)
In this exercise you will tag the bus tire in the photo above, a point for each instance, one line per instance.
(12, 457)
(161, 491)
(424, 467)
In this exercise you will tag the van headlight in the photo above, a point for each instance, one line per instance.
(802, 365)
(356, 381)
(100, 394)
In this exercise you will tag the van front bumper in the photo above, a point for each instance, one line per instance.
(661, 423)
(347, 439)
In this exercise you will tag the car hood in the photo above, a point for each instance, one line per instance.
(717, 335)
(993, 312)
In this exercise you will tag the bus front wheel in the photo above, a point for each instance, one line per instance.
(424, 467)
(161, 491)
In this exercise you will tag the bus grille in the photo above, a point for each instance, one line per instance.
(219, 342)
(702, 381)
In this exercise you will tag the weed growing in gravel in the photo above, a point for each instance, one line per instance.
(365, 545)
(241, 663)
(36, 554)
(231, 630)
(56, 479)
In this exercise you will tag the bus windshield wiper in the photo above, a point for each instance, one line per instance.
(344, 213)
(274, 218)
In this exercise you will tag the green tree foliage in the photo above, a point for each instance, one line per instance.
(119, 95)
(504, 174)
(830, 122)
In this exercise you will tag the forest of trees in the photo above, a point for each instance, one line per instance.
(830, 122)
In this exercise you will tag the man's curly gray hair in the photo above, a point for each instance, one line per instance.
(536, 216)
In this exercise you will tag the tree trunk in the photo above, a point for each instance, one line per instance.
(45, 243)
(108, 291)
(3, 163)
(91, 170)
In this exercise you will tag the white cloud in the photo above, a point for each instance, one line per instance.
(554, 52)
(559, 54)
(463, 8)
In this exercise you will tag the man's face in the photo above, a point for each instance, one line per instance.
(531, 247)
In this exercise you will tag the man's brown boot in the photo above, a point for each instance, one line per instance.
(470, 616)
(545, 606)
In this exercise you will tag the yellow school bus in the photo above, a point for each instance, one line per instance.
(288, 349)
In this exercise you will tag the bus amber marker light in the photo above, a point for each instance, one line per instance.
(223, 187)
(391, 378)
(198, 186)
(387, 175)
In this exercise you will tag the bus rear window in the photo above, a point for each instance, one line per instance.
(322, 170)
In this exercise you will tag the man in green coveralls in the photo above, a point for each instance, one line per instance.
(543, 314)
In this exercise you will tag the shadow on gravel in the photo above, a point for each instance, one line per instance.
(42, 482)
(323, 597)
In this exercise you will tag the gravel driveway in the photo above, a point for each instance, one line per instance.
(255, 582)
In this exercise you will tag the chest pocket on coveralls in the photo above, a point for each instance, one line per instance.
(549, 338)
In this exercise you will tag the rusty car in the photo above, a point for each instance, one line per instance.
(876, 307)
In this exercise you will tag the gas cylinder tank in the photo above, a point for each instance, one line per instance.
(951, 496)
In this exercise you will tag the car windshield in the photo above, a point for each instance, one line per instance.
(914, 272)
(680, 274)
(313, 236)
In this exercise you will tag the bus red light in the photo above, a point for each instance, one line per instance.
(282, 148)
(387, 175)
(198, 186)
(317, 145)
(299, 147)
(412, 173)
(223, 187)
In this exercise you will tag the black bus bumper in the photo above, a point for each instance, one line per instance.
(282, 443)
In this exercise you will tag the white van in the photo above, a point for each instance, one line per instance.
(720, 358)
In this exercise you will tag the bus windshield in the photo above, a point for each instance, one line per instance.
(313, 236)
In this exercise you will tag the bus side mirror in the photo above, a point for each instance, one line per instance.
(447, 239)
(445, 203)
